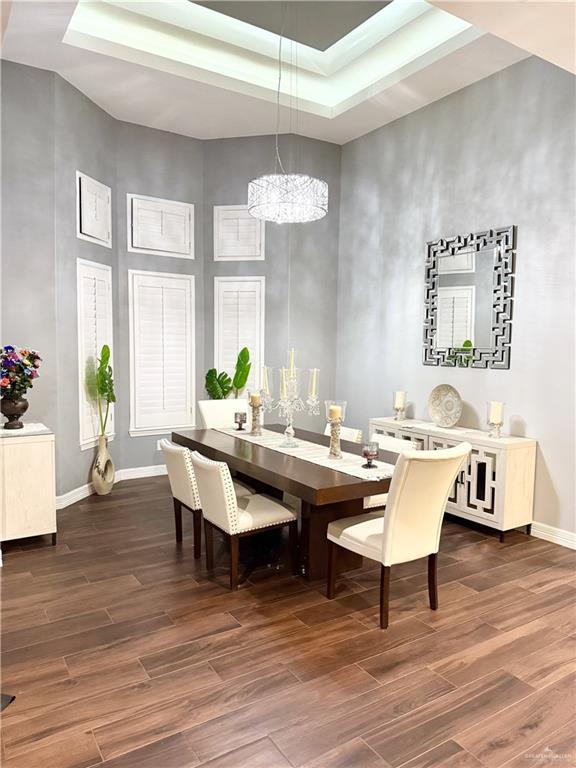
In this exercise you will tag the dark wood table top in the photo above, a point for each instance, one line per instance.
(310, 482)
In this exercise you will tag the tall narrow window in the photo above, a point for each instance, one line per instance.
(161, 352)
(455, 316)
(239, 322)
(95, 328)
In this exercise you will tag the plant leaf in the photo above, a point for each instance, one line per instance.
(243, 366)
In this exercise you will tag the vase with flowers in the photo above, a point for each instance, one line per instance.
(103, 467)
(18, 369)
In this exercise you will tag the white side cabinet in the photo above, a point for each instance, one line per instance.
(497, 486)
(27, 483)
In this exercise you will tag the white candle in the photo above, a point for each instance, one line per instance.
(292, 366)
(265, 381)
(399, 400)
(496, 412)
(334, 412)
(255, 399)
(283, 384)
(313, 382)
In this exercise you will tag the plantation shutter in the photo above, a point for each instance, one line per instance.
(94, 209)
(239, 322)
(455, 316)
(237, 235)
(162, 337)
(95, 328)
(165, 226)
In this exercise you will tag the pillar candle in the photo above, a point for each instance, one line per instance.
(334, 412)
(255, 399)
(313, 382)
(400, 400)
(265, 381)
(283, 384)
(496, 412)
(292, 366)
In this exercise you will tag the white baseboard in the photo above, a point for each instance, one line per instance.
(555, 535)
(132, 473)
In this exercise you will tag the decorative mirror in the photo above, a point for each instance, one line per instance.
(469, 285)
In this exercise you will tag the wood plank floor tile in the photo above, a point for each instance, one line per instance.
(303, 743)
(354, 754)
(78, 750)
(474, 606)
(392, 663)
(304, 702)
(533, 606)
(556, 749)
(90, 597)
(547, 665)
(258, 613)
(17, 617)
(258, 754)
(104, 708)
(548, 578)
(514, 731)
(143, 727)
(447, 755)
(28, 676)
(498, 652)
(172, 752)
(458, 571)
(506, 573)
(442, 719)
(54, 630)
(564, 620)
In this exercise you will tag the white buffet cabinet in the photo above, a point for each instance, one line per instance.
(27, 482)
(497, 486)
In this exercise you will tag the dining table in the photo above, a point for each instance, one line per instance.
(326, 494)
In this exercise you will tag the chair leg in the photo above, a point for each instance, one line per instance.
(209, 545)
(197, 513)
(178, 519)
(332, 561)
(433, 581)
(234, 559)
(384, 595)
(293, 540)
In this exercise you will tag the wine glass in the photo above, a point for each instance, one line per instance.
(370, 452)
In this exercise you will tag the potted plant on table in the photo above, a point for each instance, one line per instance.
(220, 385)
(103, 467)
(18, 369)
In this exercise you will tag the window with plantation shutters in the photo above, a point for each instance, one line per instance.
(161, 352)
(455, 316)
(238, 236)
(93, 210)
(95, 328)
(238, 323)
(160, 227)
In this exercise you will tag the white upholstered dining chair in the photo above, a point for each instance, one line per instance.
(411, 526)
(237, 516)
(220, 413)
(347, 433)
(185, 489)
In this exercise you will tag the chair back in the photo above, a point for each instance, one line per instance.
(181, 474)
(217, 492)
(216, 414)
(347, 433)
(419, 490)
(392, 444)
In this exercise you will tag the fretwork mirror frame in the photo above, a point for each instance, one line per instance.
(503, 241)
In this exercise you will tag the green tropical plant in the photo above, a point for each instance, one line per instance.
(219, 385)
(104, 382)
(462, 356)
(243, 366)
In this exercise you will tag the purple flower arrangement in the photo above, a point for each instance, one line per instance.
(18, 369)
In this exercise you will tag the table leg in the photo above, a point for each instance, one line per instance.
(313, 541)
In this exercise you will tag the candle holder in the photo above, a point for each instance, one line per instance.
(240, 420)
(335, 413)
(256, 430)
(495, 418)
(399, 406)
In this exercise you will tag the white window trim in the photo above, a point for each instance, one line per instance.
(241, 279)
(105, 243)
(217, 257)
(91, 443)
(173, 254)
(150, 431)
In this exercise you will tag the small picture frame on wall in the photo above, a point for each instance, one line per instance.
(93, 210)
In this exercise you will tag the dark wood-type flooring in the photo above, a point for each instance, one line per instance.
(124, 652)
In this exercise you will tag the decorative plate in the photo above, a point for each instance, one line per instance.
(445, 405)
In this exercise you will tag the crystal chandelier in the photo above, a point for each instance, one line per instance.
(286, 197)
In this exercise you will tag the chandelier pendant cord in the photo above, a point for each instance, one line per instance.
(278, 161)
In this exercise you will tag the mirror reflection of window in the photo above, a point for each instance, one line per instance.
(465, 299)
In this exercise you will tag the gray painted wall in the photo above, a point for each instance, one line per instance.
(499, 152)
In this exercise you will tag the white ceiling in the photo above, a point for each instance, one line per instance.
(181, 67)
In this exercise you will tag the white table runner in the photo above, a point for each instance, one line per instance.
(350, 463)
